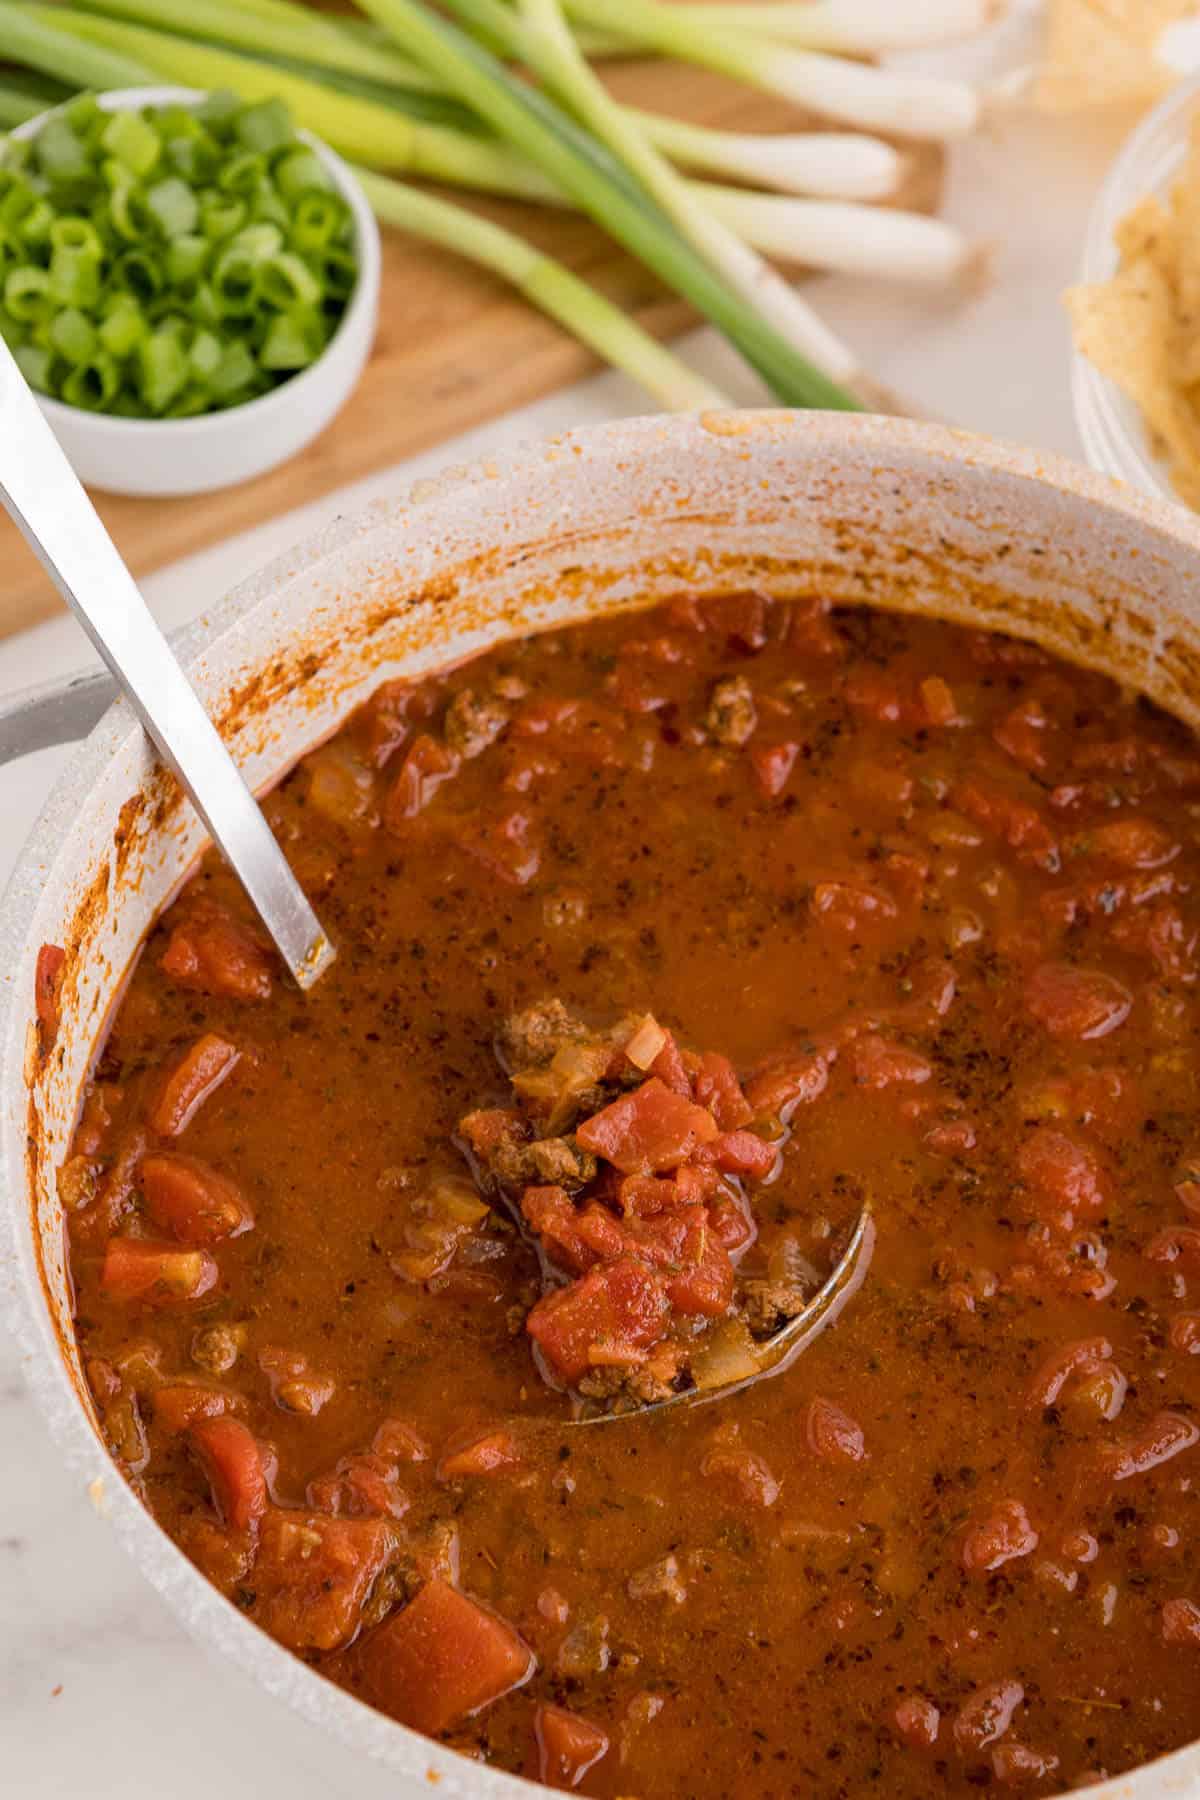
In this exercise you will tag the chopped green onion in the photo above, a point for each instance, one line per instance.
(285, 280)
(163, 368)
(27, 294)
(185, 261)
(265, 128)
(173, 207)
(72, 335)
(93, 385)
(164, 261)
(133, 141)
(293, 341)
(35, 365)
(124, 327)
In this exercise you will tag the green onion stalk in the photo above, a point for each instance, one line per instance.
(549, 46)
(534, 125)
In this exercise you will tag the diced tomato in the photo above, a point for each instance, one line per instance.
(851, 905)
(314, 1574)
(772, 765)
(811, 632)
(180, 1406)
(998, 1537)
(646, 1130)
(987, 1715)
(879, 697)
(1084, 1357)
(917, 1721)
(399, 1439)
(1184, 1333)
(1021, 1765)
(743, 1153)
(612, 1315)
(567, 1746)
(47, 985)
(1076, 1003)
(191, 1200)
(427, 766)
(236, 1467)
(478, 1450)
(113, 1198)
(1077, 1266)
(671, 1069)
(736, 1466)
(1132, 843)
(1019, 824)
(906, 874)
(950, 1137)
(574, 1237)
(363, 1486)
(938, 702)
(740, 618)
(730, 1220)
(881, 1063)
(1022, 734)
(706, 1285)
(778, 1087)
(1159, 933)
(831, 1434)
(716, 1086)
(1181, 1623)
(505, 846)
(442, 1659)
(645, 1195)
(578, 729)
(1063, 1178)
(156, 1274)
(640, 683)
(1167, 1435)
(190, 1081)
(213, 952)
(388, 717)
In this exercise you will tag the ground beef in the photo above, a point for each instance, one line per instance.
(473, 722)
(732, 714)
(529, 1039)
(766, 1305)
(559, 1160)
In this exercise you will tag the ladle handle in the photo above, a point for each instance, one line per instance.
(44, 496)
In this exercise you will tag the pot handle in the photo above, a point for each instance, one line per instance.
(56, 712)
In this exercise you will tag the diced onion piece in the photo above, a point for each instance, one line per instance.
(647, 1040)
(728, 1354)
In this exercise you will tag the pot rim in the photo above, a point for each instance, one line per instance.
(199, 1606)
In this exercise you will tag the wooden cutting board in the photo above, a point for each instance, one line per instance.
(455, 347)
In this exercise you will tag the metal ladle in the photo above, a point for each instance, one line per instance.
(41, 491)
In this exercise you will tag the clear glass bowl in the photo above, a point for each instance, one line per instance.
(1111, 427)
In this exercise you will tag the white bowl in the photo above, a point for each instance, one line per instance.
(1111, 426)
(157, 457)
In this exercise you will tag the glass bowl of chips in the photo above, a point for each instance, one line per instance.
(1136, 313)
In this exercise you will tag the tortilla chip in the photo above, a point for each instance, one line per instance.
(1143, 230)
(1185, 247)
(1126, 327)
(1102, 53)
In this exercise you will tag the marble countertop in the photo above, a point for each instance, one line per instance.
(101, 1692)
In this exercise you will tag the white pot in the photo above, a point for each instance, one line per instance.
(872, 510)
